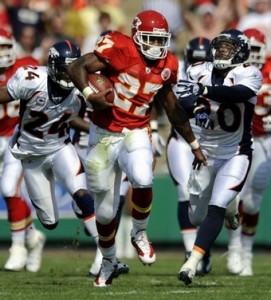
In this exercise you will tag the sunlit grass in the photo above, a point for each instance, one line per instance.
(64, 276)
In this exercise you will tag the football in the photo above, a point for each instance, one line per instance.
(100, 83)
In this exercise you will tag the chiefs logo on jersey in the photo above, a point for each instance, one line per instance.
(165, 74)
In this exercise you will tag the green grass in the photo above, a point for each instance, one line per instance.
(63, 276)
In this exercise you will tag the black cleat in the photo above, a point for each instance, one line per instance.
(186, 276)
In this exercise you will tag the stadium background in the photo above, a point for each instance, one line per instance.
(163, 226)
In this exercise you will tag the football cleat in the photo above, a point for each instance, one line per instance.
(232, 221)
(17, 258)
(234, 261)
(35, 248)
(186, 275)
(107, 272)
(122, 268)
(145, 251)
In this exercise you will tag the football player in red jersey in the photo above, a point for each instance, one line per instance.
(239, 260)
(27, 242)
(142, 70)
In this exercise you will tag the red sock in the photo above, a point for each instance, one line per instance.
(19, 213)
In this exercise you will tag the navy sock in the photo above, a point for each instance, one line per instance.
(211, 227)
(86, 204)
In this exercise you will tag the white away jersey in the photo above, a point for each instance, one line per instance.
(231, 130)
(43, 127)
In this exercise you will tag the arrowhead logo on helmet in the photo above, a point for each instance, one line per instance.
(150, 32)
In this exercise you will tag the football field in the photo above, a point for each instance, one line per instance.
(64, 276)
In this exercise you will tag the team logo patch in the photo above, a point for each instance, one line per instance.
(166, 74)
(148, 70)
(53, 52)
(40, 101)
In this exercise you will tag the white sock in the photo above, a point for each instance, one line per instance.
(90, 225)
(140, 224)
(189, 237)
(193, 260)
(18, 237)
(235, 239)
(109, 253)
(247, 242)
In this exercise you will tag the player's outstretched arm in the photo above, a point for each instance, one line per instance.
(4, 95)
(180, 121)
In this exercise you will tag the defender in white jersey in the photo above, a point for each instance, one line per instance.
(226, 89)
(180, 157)
(48, 102)
(240, 247)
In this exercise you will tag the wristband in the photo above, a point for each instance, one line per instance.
(87, 91)
(194, 145)
(154, 125)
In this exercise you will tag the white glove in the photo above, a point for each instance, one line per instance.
(187, 88)
(158, 142)
(267, 123)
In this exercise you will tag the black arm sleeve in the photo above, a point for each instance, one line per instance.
(229, 94)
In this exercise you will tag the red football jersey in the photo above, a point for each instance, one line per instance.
(135, 82)
(263, 106)
(9, 112)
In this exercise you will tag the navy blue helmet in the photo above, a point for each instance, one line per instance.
(197, 49)
(60, 55)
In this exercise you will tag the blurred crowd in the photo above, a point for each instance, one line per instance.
(37, 24)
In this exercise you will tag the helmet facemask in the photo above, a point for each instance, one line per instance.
(153, 45)
(7, 49)
(257, 55)
(223, 53)
(60, 56)
(58, 73)
(229, 49)
(7, 56)
(150, 32)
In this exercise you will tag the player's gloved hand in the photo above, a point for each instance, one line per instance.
(267, 123)
(158, 142)
(187, 88)
(202, 117)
